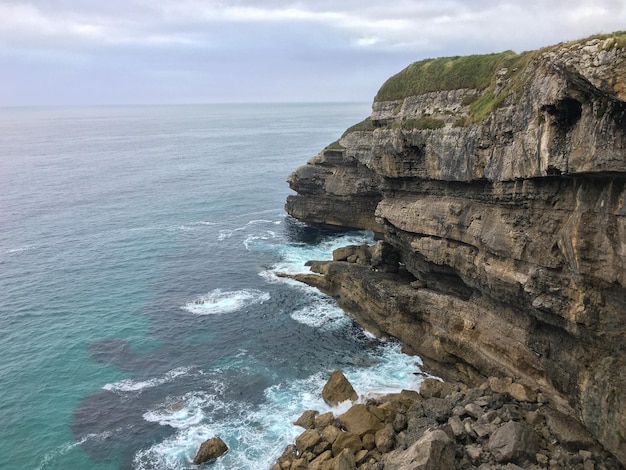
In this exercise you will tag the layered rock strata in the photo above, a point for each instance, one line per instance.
(502, 205)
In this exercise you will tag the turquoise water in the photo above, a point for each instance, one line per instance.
(140, 312)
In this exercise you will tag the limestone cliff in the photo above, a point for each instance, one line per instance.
(499, 183)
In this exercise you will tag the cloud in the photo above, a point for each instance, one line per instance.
(422, 25)
(269, 49)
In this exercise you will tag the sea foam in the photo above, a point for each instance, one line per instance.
(129, 385)
(218, 301)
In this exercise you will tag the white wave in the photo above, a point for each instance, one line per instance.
(251, 242)
(257, 435)
(260, 221)
(175, 453)
(393, 372)
(324, 313)
(19, 249)
(295, 255)
(227, 233)
(218, 301)
(181, 412)
(129, 385)
(192, 226)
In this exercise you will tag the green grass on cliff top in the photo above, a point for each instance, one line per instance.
(474, 71)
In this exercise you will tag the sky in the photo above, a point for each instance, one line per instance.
(113, 52)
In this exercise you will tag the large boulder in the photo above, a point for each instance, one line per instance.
(210, 450)
(433, 451)
(514, 442)
(359, 420)
(338, 389)
(307, 440)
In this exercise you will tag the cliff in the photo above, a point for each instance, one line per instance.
(498, 184)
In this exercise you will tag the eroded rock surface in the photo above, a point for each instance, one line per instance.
(504, 231)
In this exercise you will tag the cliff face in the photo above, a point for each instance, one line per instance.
(499, 182)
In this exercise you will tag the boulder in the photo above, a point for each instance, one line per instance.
(344, 461)
(347, 440)
(433, 388)
(438, 409)
(385, 439)
(330, 433)
(570, 433)
(514, 442)
(307, 440)
(316, 464)
(209, 450)
(307, 419)
(433, 451)
(359, 420)
(338, 389)
(516, 390)
(325, 419)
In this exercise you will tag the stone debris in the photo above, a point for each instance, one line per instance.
(445, 426)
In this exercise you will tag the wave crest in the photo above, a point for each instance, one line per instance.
(218, 301)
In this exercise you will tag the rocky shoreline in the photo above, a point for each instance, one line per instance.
(499, 425)
(496, 185)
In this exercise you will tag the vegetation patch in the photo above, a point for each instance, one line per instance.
(424, 122)
(480, 73)
(365, 125)
(334, 146)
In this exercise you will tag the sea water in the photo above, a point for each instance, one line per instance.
(140, 311)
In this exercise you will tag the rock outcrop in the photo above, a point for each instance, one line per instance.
(209, 450)
(498, 186)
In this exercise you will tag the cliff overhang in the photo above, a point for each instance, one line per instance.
(498, 184)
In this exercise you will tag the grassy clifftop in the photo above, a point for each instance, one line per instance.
(474, 71)
(448, 73)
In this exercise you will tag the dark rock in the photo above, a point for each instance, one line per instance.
(338, 389)
(399, 422)
(568, 431)
(385, 257)
(514, 442)
(438, 409)
(209, 450)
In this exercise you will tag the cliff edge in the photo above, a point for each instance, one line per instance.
(497, 184)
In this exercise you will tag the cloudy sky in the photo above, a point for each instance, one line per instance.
(81, 52)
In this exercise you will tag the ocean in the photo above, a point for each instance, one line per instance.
(140, 311)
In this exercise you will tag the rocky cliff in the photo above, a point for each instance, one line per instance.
(498, 186)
